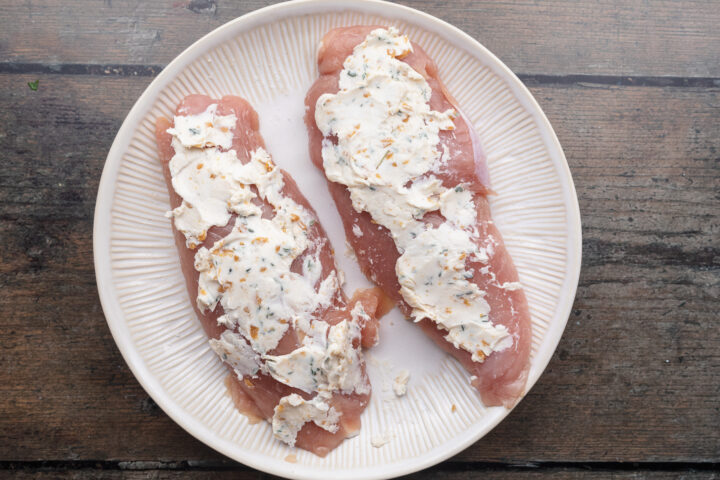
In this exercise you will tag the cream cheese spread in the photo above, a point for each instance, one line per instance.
(378, 441)
(386, 151)
(294, 411)
(400, 383)
(206, 129)
(248, 273)
(326, 362)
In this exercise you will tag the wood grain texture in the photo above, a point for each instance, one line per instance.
(556, 37)
(635, 377)
(465, 474)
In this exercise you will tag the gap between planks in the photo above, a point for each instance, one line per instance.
(130, 70)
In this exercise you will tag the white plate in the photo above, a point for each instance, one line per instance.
(269, 57)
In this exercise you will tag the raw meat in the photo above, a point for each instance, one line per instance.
(501, 377)
(257, 396)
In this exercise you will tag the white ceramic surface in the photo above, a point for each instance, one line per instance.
(269, 57)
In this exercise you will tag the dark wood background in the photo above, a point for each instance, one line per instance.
(632, 89)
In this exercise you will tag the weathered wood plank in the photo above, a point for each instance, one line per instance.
(557, 37)
(468, 473)
(635, 377)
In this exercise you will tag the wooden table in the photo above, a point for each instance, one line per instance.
(632, 89)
